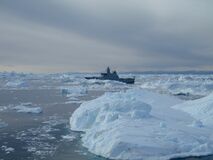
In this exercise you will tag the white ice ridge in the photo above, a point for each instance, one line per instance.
(27, 109)
(139, 124)
(200, 109)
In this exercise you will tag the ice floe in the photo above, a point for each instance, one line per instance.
(16, 83)
(26, 108)
(139, 124)
(7, 149)
(69, 137)
(74, 101)
(3, 108)
(74, 91)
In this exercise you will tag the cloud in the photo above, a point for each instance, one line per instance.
(28, 44)
(139, 35)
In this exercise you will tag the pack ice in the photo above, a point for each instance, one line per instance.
(139, 124)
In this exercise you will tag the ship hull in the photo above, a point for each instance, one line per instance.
(124, 80)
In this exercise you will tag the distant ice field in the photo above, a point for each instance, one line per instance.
(185, 86)
(39, 107)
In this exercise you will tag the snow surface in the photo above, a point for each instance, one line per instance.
(139, 124)
(200, 109)
(27, 109)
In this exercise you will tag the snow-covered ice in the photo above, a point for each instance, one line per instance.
(139, 124)
(196, 85)
(200, 109)
(27, 109)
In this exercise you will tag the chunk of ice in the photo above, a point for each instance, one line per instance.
(138, 124)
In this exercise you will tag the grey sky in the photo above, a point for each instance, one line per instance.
(88, 35)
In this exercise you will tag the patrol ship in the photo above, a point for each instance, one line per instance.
(113, 76)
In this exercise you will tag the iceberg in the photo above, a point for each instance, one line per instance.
(140, 124)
